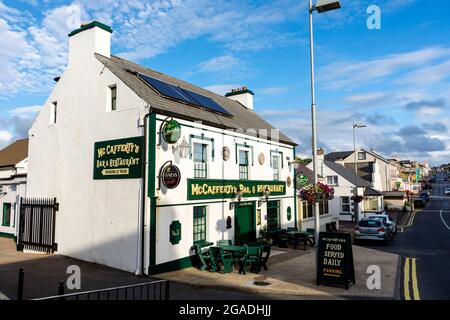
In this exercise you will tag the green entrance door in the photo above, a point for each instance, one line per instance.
(273, 215)
(6, 221)
(244, 223)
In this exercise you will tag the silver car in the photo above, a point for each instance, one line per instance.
(387, 219)
(372, 229)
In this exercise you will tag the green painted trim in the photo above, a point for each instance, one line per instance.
(243, 145)
(294, 182)
(280, 144)
(90, 26)
(189, 204)
(235, 93)
(201, 137)
(151, 178)
(173, 265)
(8, 235)
(281, 155)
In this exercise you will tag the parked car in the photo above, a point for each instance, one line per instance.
(419, 201)
(447, 191)
(425, 195)
(372, 229)
(387, 219)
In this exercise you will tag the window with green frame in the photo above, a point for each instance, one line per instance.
(273, 214)
(243, 164)
(6, 220)
(200, 160)
(199, 224)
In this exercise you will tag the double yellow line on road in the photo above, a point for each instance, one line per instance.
(410, 280)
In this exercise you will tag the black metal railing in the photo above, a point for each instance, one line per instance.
(37, 224)
(155, 290)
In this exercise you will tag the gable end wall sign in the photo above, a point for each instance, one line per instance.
(118, 159)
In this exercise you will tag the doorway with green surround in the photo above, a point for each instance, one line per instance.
(6, 218)
(273, 215)
(244, 222)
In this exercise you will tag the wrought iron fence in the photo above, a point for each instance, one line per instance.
(155, 290)
(37, 224)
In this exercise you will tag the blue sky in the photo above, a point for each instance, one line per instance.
(395, 79)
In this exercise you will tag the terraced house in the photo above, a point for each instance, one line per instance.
(144, 165)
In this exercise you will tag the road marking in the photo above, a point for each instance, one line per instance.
(410, 276)
(406, 280)
(443, 221)
(414, 280)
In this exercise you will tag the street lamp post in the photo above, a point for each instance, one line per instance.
(356, 125)
(321, 6)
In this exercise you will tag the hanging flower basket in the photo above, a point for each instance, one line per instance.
(316, 193)
(357, 199)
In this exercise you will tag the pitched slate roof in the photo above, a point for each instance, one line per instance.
(370, 192)
(346, 174)
(302, 169)
(14, 153)
(243, 119)
(341, 155)
(394, 194)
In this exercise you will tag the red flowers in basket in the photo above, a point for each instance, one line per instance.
(318, 192)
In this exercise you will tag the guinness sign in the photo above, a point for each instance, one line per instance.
(170, 176)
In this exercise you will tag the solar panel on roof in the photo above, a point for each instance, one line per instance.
(207, 102)
(167, 89)
(184, 95)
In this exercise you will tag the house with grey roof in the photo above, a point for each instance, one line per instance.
(371, 166)
(346, 185)
(145, 166)
(13, 179)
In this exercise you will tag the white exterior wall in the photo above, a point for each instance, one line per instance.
(343, 189)
(217, 169)
(98, 220)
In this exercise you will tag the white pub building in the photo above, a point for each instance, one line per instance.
(144, 165)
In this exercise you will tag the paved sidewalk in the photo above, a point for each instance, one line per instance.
(296, 276)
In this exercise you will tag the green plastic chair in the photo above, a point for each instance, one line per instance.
(252, 258)
(204, 259)
(218, 256)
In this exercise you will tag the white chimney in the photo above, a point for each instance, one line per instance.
(242, 95)
(94, 37)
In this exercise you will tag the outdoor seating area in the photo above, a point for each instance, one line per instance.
(291, 236)
(225, 257)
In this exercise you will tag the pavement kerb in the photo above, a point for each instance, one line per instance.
(398, 279)
(407, 218)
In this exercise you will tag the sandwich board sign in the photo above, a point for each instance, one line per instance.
(335, 265)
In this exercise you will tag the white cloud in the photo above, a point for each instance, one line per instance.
(25, 110)
(219, 64)
(347, 75)
(5, 137)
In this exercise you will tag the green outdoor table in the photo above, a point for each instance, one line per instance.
(308, 235)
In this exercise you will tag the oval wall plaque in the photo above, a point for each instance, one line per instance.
(261, 158)
(225, 153)
(288, 181)
(171, 176)
(171, 131)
